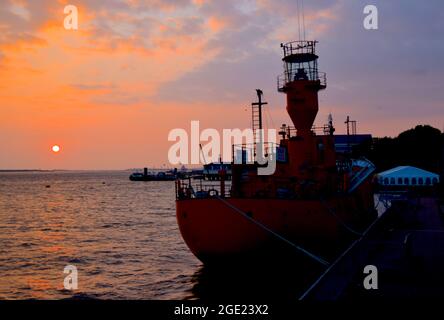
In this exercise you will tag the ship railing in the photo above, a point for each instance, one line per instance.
(288, 131)
(367, 168)
(299, 47)
(325, 129)
(197, 189)
(291, 131)
(247, 153)
(312, 75)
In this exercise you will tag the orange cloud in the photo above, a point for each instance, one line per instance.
(95, 91)
(216, 24)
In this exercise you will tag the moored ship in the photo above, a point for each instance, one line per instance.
(315, 199)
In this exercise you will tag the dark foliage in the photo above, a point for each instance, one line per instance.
(422, 147)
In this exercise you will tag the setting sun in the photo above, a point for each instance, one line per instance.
(55, 148)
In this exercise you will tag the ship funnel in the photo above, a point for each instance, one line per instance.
(301, 82)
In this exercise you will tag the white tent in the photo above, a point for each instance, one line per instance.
(407, 176)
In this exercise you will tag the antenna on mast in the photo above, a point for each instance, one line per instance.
(203, 155)
(256, 114)
(301, 19)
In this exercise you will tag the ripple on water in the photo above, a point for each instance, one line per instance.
(122, 236)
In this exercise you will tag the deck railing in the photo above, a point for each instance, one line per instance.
(299, 47)
(201, 189)
(312, 75)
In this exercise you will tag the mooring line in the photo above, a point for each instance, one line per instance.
(302, 297)
(341, 222)
(306, 252)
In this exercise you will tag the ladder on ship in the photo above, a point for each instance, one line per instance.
(256, 115)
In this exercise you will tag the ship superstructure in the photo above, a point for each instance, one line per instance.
(315, 198)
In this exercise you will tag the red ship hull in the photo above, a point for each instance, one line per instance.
(214, 231)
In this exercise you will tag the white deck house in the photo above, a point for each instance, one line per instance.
(407, 176)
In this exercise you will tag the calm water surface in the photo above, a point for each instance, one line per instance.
(121, 235)
(123, 238)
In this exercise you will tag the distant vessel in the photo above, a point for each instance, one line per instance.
(316, 197)
(159, 176)
(211, 171)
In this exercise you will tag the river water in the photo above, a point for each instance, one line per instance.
(123, 239)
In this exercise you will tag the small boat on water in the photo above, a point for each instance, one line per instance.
(159, 176)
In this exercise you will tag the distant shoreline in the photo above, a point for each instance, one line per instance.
(87, 170)
(74, 170)
(25, 170)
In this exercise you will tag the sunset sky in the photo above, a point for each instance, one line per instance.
(109, 93)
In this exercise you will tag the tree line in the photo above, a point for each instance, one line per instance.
(422, 147)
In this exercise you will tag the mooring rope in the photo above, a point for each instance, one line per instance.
(341, 222)
(314, 284)
(246, 216)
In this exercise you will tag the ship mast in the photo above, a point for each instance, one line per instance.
(256, 116)
(301, 82)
